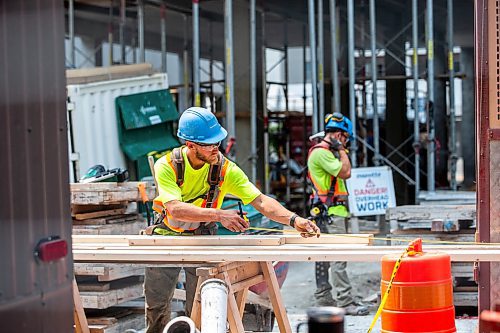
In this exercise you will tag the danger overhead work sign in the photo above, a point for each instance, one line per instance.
(371, 191)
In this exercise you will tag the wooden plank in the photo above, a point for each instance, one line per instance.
(304, 253)
(132, 322)
(121, 218)
(108, 193)
(413, 212)
(86, 286)
(81, 324)
(130, 227)
(119, 293)
(243, 240)
(100, 213)
(82, 209)
(96, 74)
(107, 272)
(77, 239)
(330, 239)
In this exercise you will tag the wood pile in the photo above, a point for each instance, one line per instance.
(109, 209)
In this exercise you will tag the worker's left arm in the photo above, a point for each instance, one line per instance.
(272, 209)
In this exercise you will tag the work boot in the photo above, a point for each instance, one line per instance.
(355, 309)
(325, 300)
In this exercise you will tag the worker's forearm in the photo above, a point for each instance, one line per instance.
(272, 209)
(186, 212)
(345, 171)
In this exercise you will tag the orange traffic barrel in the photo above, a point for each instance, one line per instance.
(421, 296)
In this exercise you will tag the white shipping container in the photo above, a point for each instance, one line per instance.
(92, 124)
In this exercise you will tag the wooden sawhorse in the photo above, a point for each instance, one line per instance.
(239, 276)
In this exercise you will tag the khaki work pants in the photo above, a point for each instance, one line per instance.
(339, 275)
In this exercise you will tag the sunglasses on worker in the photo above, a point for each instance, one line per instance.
(208, 146)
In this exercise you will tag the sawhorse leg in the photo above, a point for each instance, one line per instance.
(81, 324)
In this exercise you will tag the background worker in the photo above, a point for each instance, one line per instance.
(329, 166)
(190, 206)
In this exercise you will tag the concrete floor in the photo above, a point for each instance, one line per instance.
(298, 295)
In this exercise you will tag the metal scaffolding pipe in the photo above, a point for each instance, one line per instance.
(416, 123)
(228, 36)
(196, 52)
(451, 72)
(335, 70)
(110, 36)
(253, 91)
(264, 106)
(351, 64)
(430, 99)
(71, 28)
(376, 131)
(163, 28)
(140, 26)
(185, 60)
(287, 143)
(314, 80)
(321, 61)
(122, 31)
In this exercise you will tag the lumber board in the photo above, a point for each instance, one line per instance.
(120, 218)
(108, 193)
(431, 212)
(129, 227)
(107, 272)
(100, 213)
(242, 240)
(327, 252)
(131, 322)
(330, 239)
(116, 295)
(89, 75)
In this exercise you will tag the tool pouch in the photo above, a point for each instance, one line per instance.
(206, 229)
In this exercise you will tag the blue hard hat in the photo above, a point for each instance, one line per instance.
(200, 125)
(338, 121)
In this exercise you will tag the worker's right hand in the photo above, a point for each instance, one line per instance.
(336, 144)
(232, 220)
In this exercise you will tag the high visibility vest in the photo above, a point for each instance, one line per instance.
(331, 195)
(215, 179)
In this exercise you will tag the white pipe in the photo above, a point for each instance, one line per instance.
(181, 324)
(213, 306)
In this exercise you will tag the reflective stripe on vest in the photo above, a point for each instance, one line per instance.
(320, 193)
(179, 226)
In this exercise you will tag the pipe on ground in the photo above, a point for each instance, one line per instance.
(181, 324)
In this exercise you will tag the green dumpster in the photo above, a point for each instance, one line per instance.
(145, 126)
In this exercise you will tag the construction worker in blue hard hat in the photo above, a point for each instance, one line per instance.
(329, 166)
(192, 182)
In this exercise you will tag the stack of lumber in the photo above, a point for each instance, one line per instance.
(109, 209)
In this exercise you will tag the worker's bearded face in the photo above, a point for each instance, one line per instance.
(207, 156)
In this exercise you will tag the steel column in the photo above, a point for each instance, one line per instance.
(321, 61)
(431, 168)
(185, 60)
(140, 23)
(163, 28)
(351, 64)
(253, 91)
(376, 132)
(451, 72)
(314, 80)
(228, 36)
(335, 70)
(416, 122)
(122, 31)
(196, 53)
(264, 106)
